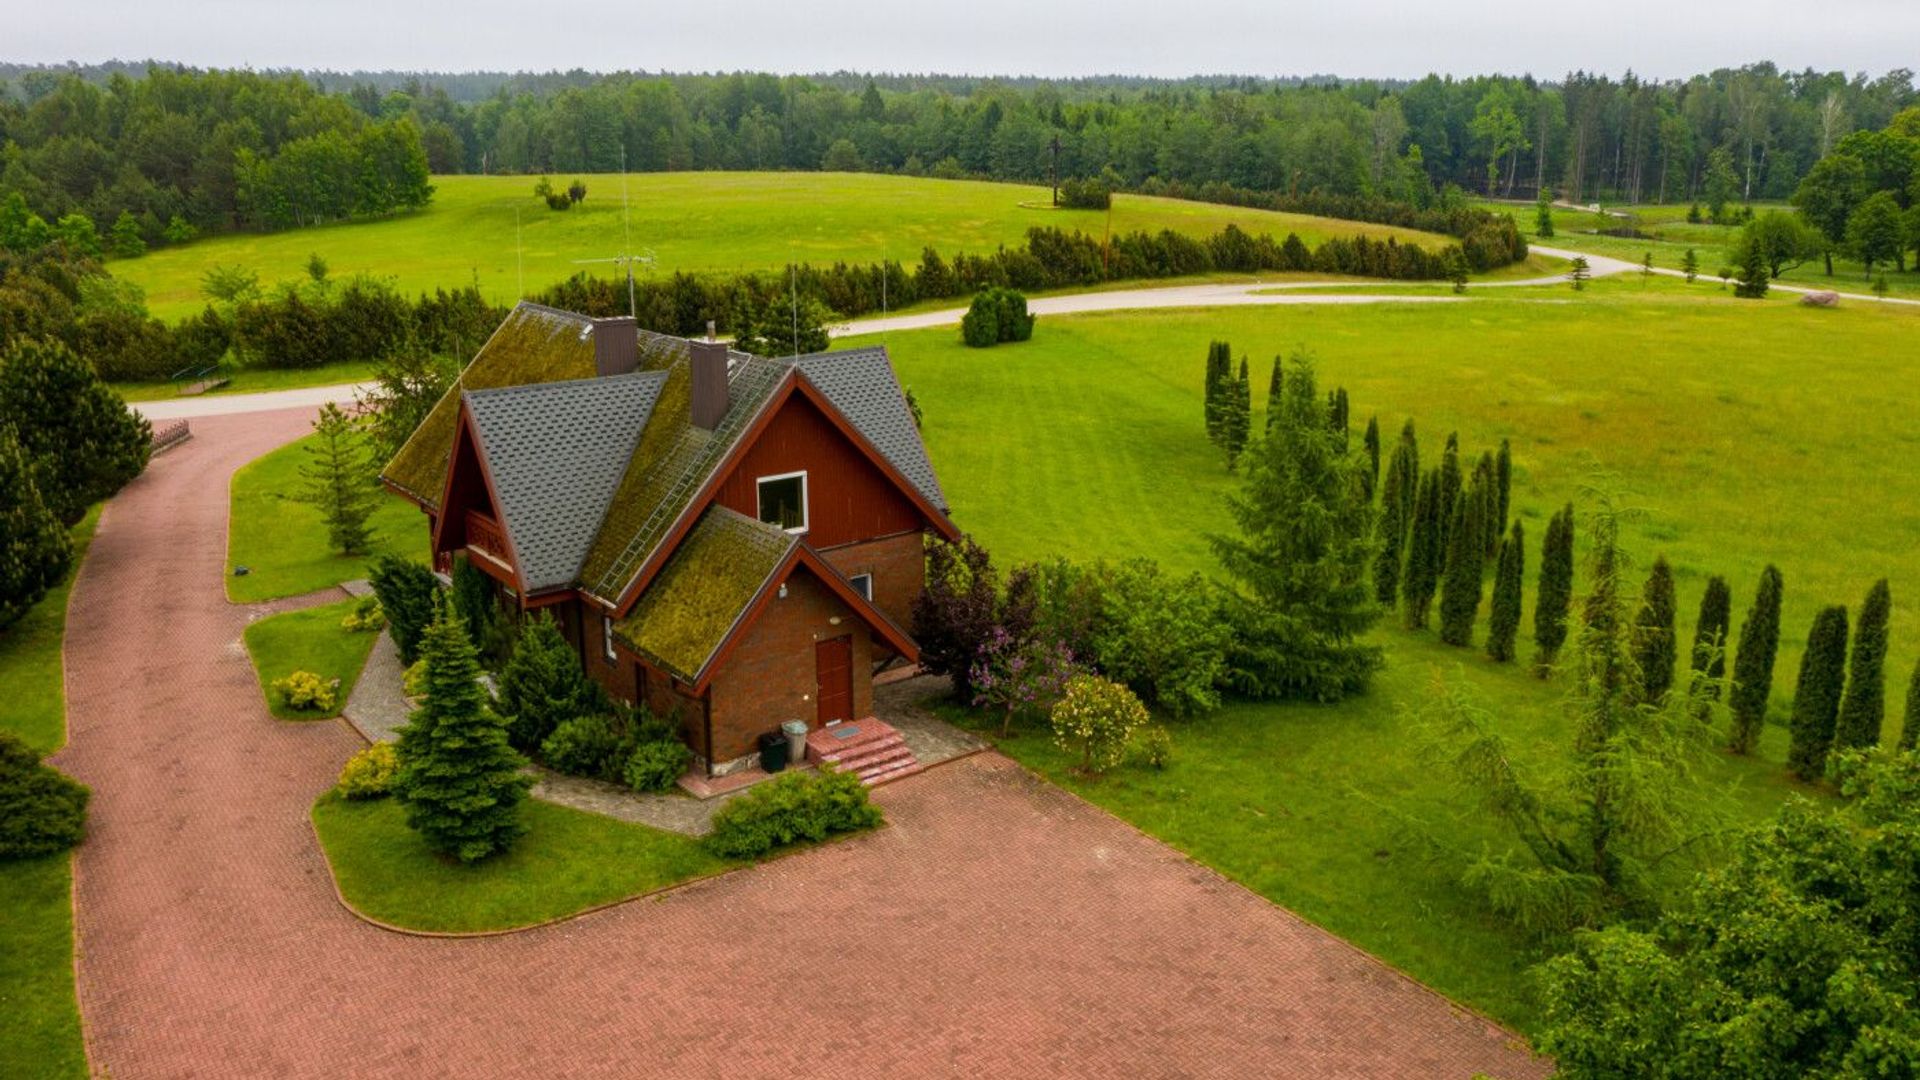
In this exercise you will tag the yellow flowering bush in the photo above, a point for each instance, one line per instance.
(1096, 718)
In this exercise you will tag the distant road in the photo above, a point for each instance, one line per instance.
(1169, 296)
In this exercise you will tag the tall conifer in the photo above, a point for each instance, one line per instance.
(1465, 569)
(1451, 481)
(1555, 594)
(1392, 528)
(1710, 638)
(1219, 371)
(1910, 720)
(1276, 386)
(1236, 416)
(1503, 622)
(1503, 479)
(1816, 697)
(1753, 662)
(1372, 443)
(1864, 709)
(1424, 553)
(1654, 645)
(1410, 491)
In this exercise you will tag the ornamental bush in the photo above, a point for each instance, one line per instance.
(590, 746)
(1154, 746)
(654, 766)
(369, 773)
(542, 685)
(789, 809)
(366, 616)
(1096, 719)
(997, 314)
(414, 682)
(406, 591)
(305, 691)
(42, 810)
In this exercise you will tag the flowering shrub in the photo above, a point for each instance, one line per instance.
(1015, 677)
(369, 773)
(305, 691)
(1096, 719)
(365, 616)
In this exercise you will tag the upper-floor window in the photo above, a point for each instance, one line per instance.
(862, 584)
(783, 501)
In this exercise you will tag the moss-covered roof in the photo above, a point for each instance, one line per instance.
(688, 610)
(535, 345)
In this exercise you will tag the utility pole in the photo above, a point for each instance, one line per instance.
(1055, 147)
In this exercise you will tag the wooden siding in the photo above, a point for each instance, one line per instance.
(848, 499)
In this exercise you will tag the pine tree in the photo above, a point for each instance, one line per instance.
(1555, 592)
(1753, 662)
(1424, 552)
(1276, 388)
(1503, 623)
(1300, 560)
(458, 779)
(1816, 697)
(1910, 720)
(1690, 265)
(1655, 648)
(1236, 418)
(339, 478)
(1710, 639)
(34, 549)
(542, 684)
(1579, 271)
(1752, 276)
(1372, 443)
(1503, 481)
(80, 440)
(1864, 709)
(1460, 587)
(1392, 528)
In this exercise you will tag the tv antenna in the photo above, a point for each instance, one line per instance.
(643, 257)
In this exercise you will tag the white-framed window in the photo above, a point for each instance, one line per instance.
(862, 584)
(783, 500)
(606, 638)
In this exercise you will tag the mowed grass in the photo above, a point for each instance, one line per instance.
(1743, 447)
(567, 862)
(39, 1016)
(282, 541)
(695, 222)
(310, 639)
(255, 380)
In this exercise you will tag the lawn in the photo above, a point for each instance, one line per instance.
(256, 380)
(310, 639)
(39, 1018)
(696, 222)
(1742, 448)
(569, 861)
(282, 541)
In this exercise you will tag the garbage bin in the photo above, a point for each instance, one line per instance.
(773, 751)
(796, 740)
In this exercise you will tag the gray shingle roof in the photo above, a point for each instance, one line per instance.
(556, 452)
(861, 384)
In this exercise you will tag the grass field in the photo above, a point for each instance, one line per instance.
(568, 861)
(310, 639)
(697, 222)
(1669, 235)
(39, 1018)
(1743, 448)
(255, 380)
(283, 541)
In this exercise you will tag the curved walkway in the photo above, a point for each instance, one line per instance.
(998, 926)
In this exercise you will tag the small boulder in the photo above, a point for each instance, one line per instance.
(1820, 299)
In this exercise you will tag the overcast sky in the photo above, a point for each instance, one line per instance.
(1046, 37)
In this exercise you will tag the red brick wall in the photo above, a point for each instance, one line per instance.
(615, 677)
(769, 676)
(899, 568)
(848, 498)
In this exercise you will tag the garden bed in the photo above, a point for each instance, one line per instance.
(311, 640)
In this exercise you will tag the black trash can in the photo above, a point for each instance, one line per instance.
(773, 751)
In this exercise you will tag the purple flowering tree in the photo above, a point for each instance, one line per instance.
(1012, 676)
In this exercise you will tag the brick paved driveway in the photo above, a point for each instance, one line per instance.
(998, 927)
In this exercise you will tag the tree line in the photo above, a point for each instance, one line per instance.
(231, 149)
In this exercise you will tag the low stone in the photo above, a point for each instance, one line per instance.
(1820, 299)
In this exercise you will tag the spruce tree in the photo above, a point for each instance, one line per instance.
(1910, 720)
(1816, 697)
(1555, 592)
(1392, 529)
(1424, 552)
(1300, 559)
(459, 780)
(1753, 662)
(339, 477)
(34, 549)
(1503, 481)
(1710, 639)
(1503, 622)
(1372, 443)
(542, 684)
(1864, 709)
(1460, 587)
(1655, 648)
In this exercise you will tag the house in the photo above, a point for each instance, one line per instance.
(726, 538)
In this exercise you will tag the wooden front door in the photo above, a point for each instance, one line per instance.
(833, 668)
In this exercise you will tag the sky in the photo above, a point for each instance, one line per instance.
(1350, 38)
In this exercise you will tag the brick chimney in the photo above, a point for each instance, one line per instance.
(708, 361)
(616, 346)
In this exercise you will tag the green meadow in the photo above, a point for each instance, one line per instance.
(492, 231)
(1746, 432)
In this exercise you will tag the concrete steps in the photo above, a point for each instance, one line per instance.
(869, 749)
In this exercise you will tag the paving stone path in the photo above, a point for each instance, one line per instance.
(997, 926)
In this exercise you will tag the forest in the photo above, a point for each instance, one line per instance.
(182, 151)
